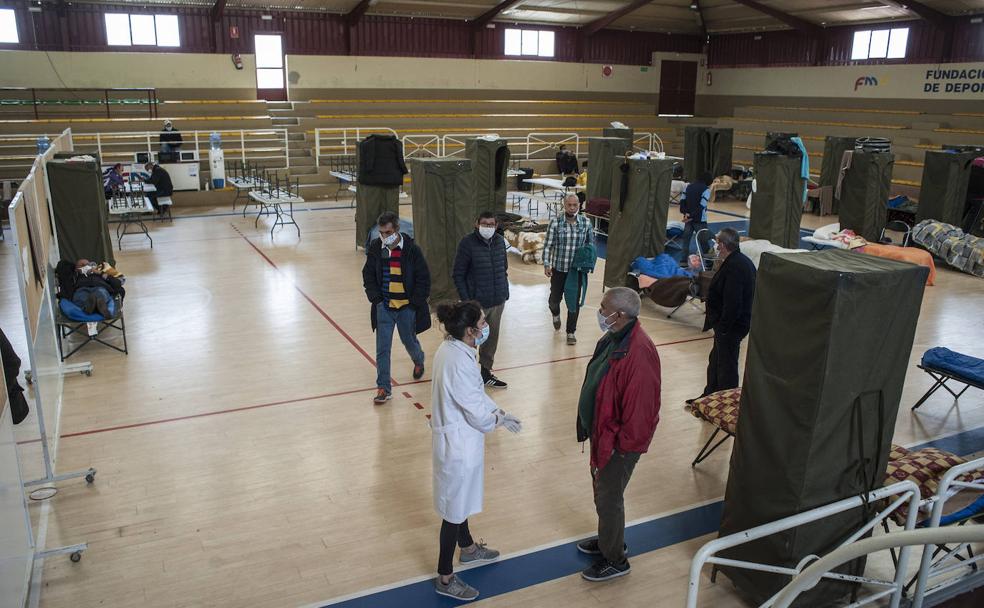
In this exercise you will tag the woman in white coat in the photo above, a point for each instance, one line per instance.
(462, 414)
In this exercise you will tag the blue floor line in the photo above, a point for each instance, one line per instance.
(549, 564)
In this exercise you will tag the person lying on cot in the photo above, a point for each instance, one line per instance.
(90, 286)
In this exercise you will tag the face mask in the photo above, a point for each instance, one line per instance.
(482, 337)
(391, 239)
(486, 232)
(603, 321)
(570, 215)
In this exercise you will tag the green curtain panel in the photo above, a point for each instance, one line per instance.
(833, 151)
(817, 411)
(943, 194)
(78, 202)
(370, 203)
(628, 133)
(490, 163)
(444, 211)
(637, 221)
(864, 194)
(603, 154)
(777, 204)
(707, 149)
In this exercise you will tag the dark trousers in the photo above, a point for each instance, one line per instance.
(609, 493)
(557, 280)
(687, 239)
(722, 365)
(452, 534)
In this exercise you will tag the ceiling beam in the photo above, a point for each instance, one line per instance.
(354, 15)
(795, 22)
(930, 14)
(487, 17)
(218, 9)
(700, 19)
(602, 22)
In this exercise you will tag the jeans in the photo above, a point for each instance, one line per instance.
(722, 364)
(609, 497)
(405, 321)
(486, 352)
(451, 534)
(686, 239)
(81, 298)
(557, 280)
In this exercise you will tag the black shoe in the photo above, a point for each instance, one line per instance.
(604, 570)
(590, 547)
(418, 371)
(490, 380)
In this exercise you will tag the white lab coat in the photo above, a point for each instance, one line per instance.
(461, 415)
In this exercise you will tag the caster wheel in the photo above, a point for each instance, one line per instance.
(91, 477)
(88, 373)
(76, 557)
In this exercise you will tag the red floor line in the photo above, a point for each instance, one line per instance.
(407, 395)
(418, 406)
(312, 303)
(216, 413)
(576, 357)
(311, 398)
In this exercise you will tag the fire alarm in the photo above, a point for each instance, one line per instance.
(606, 71)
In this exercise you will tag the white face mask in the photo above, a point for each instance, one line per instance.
(603, 321)
(482, 337)
(486, 232)
(391, 239)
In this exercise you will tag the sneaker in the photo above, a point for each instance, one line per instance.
(590, 547)
(381, 396)
(480, 554)
(556, 322)
(604, 570)
(418, 371)
(490, 380)
(571, 339)
(456, 588)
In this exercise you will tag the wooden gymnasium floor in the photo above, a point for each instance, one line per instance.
(242, 463)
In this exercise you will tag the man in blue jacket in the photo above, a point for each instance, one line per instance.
(694, 209)
(480, 273)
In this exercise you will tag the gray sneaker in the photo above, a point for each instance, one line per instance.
(456, 588)
(480, 554)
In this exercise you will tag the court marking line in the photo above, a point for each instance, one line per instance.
(311, 301)
(246, 408)
(560, 559)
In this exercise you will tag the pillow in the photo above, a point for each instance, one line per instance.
(825, 232)
(73, 312)
(720, 409)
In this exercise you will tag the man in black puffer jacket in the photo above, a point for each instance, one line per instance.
(480, 273)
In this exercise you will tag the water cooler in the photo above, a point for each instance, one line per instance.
(216, 161)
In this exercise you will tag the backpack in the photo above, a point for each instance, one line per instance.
(576, 285)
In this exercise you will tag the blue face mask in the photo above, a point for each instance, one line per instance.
(482, 337)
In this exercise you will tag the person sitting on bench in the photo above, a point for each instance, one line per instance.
(161, 181)
(90, 286)
(113, 179)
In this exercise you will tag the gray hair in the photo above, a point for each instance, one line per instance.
(624, 300)
(728, 238)
(572, 196)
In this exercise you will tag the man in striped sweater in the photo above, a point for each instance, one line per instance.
(397, 283)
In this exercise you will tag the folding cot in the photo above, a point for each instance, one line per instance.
(944, 365)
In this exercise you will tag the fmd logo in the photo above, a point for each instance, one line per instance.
(865, 81)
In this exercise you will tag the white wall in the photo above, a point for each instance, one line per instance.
(857, 82)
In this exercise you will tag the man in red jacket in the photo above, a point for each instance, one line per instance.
(618, 410)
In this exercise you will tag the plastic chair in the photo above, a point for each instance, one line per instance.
(896, 226)
(710, 256)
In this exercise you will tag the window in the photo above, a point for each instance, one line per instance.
(8, 26)
(142, 30)
(269, 61)
(531, 43)
(880, 44)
